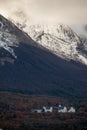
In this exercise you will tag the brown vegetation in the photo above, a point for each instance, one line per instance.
(15, 113)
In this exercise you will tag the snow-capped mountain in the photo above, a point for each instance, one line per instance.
(59, 39)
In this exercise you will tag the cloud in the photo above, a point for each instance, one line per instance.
(62, 11)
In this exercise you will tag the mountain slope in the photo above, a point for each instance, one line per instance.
(35, 70)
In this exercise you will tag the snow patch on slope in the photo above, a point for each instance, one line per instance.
(7, 40)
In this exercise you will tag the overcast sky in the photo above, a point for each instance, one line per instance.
(72, 12)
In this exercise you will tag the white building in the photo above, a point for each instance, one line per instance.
(47, 109)
(72, 109)
(62, 109)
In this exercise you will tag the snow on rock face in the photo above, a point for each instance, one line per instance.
(7, 40)
(59, 39)
(59, 31)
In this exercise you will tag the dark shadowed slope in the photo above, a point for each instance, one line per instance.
(39, 72)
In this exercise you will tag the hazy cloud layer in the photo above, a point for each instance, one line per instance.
(62, 11)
